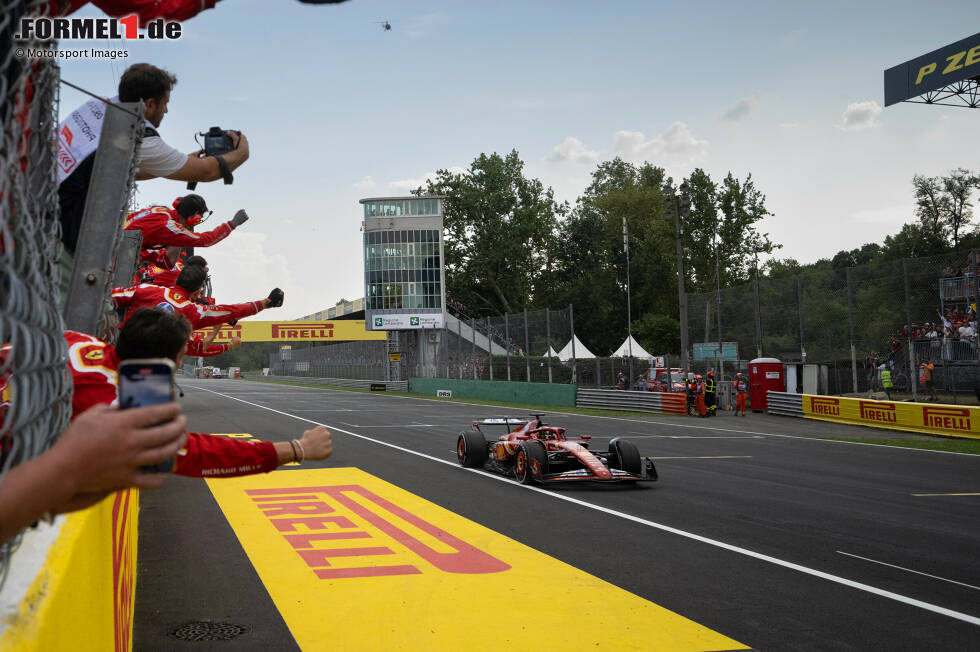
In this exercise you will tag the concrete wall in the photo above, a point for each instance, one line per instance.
(508, 392)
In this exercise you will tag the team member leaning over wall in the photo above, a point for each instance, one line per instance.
(156, 333)
(182, 298)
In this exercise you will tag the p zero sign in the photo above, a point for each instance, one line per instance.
(938, 69)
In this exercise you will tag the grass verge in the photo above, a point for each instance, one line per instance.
(591, 412)
(971, 446)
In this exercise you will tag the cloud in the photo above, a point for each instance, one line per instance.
(423, 26)
(859, 116)
(886, 215)
(365, 183)
(408, 185)
(675, 146)
(572, 149)
(740, 109)
(792, 38)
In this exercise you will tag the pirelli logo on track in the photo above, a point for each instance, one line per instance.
(947, 418)
(827, 406)
(875, 411)
(348, 531)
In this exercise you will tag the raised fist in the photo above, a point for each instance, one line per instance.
(240, 218)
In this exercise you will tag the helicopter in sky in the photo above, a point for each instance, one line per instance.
(385, 25)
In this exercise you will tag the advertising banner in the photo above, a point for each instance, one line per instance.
(295, 331)
(407, 321)
(933, 419)
(942, 67)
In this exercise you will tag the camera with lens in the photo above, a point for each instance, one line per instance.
(217, 142)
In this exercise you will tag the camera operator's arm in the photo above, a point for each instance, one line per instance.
(206, 168)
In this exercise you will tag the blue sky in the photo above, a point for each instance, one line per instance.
(337, 109)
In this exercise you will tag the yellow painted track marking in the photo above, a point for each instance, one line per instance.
(355, 563)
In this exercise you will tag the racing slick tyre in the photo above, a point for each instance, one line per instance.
(531, 454)
(624, 455)
(471, 448)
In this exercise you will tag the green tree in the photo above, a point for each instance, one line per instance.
(500, 233)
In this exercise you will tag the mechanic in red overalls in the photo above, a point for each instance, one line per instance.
(182, 299)
(166, 227)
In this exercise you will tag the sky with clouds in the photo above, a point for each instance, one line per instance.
(337, 109)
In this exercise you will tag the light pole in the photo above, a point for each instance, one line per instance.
(674, 207)
(721, 354)
(758, 313)
(629, 316)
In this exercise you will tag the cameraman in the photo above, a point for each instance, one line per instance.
(78, 138)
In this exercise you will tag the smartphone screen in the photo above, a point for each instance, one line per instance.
(143, 383)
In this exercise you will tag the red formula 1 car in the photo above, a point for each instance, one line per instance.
(535, 452)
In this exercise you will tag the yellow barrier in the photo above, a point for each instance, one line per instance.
(297, 331)
(929, 418)
(84, 595)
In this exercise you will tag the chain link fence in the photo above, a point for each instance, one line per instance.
(840, 327)
(36, 385)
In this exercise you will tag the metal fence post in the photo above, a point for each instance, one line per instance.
(547, 335)
(850, 323)
(913, 379)
(507, 341)
(758, 313)
(107, 199)
(459, 347)
(527, 347)
(490, 347)
(571, 325)
(473, 345)
(598, 374)
(799, 303)
(129, 251)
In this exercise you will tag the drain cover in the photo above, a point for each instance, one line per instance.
(207, 630)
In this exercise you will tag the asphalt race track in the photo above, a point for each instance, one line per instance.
(757, 530)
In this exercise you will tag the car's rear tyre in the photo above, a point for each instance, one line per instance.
(531, 454)
(471, 448)
(624, 455)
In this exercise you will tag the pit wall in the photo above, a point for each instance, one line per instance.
(83, 597)
(928, 418)
(561, 395)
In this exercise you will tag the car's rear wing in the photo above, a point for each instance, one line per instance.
(500, 421)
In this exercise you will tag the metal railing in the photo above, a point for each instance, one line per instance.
(390, 385)
(785, 404)
(631, 401)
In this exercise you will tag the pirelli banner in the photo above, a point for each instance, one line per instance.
(933, 419)
(296, 331)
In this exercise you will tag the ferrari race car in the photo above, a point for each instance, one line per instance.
(535, 452)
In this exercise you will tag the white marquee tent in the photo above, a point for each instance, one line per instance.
(624, 350)
(580, 351)
(551, 352)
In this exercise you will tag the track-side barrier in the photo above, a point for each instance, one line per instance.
(927, 418)
(616, 399)
(390, 385)
(786, 404)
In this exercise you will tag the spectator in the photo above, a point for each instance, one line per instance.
(99, 453)
(141, 82)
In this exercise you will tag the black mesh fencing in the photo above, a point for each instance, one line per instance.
(851, 323)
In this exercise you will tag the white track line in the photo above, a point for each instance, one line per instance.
(908, 570)
(967, 618)
(666, 423)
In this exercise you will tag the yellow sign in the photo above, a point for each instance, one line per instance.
(394, 357)
(296, 331)
(934, 419)
(396, 572)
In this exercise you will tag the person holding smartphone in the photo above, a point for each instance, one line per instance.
(153, 333)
